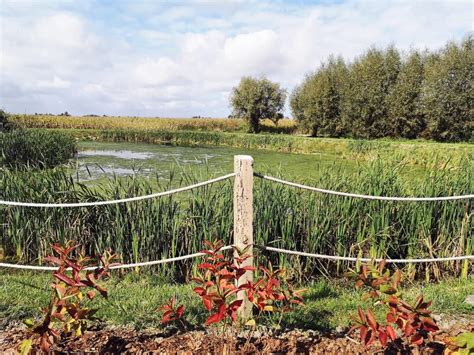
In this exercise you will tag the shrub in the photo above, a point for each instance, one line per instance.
(414, 322)
(36, 148)
(3, 119)
(218, 287)
(67, 314)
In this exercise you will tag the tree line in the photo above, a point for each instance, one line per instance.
(382, 93)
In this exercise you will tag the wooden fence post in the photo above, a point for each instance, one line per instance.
(243, 223)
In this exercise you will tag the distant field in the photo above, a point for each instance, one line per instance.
(188, 124)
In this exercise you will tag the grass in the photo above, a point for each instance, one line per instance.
(134, 299)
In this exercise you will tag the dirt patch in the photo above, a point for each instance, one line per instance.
(124, 340)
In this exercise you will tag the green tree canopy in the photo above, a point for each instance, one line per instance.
(370, 80)
(316, 103)
(448, 92)
(255, 99)
(405, 111)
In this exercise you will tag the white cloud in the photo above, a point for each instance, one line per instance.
(155, 59)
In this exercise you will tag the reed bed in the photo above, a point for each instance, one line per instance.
(284, 217)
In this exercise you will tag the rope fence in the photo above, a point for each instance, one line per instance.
(353, 259)
(111, 202)
(367, 197)
(243, 217)
(114, 267)
(266, 248)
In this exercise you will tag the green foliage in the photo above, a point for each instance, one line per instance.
(370, 80)
(67, 314)
(382, 94)
(405, 111)
(3, 119)
(41, 149)
(316, 103)
(256, 99)
(463, 344)
(448, 92)
(285, 217)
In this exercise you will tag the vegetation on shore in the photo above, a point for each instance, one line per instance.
(24, 149)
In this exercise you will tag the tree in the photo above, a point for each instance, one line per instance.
(316, 103)
(256, 99)
(448, 92)
(370, 80)
(405, 111)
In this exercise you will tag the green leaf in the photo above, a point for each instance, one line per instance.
(26, 346)
(29, 323)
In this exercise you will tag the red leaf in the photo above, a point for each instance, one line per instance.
(206, 266)
(371, 320)
(361, 315)
(390, 332)
(180, 311)
(417, 339)
(363, 334)
(383, 338)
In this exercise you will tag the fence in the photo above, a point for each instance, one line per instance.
(243, 221)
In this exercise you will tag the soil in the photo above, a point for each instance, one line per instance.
(265, 341)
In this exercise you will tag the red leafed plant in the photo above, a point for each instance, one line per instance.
(377, 280)
(217, 286)
(171, 311)
(370, 329)
(67, 313)
(414, 322)
(270, 294)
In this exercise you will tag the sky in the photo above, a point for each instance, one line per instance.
(182, 58)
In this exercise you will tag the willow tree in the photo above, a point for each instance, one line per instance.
(255, 99)
(448, 92)
(405, 110)
(316, 103)
(370, 80)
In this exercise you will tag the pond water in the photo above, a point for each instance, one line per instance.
(97, 160)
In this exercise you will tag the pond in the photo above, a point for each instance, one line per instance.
(98, 160)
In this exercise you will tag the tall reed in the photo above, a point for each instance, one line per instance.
(284, 217)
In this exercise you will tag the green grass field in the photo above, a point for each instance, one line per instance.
(134, 299)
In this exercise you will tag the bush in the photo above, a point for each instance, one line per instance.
(3, 119)
(36, 148)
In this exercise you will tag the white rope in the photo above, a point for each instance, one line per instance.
(368, 197)
(101, 203)
(121, 266)
(346, 258)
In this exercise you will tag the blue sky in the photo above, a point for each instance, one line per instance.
(182, 58)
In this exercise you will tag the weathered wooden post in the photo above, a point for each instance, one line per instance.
(243, 223)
